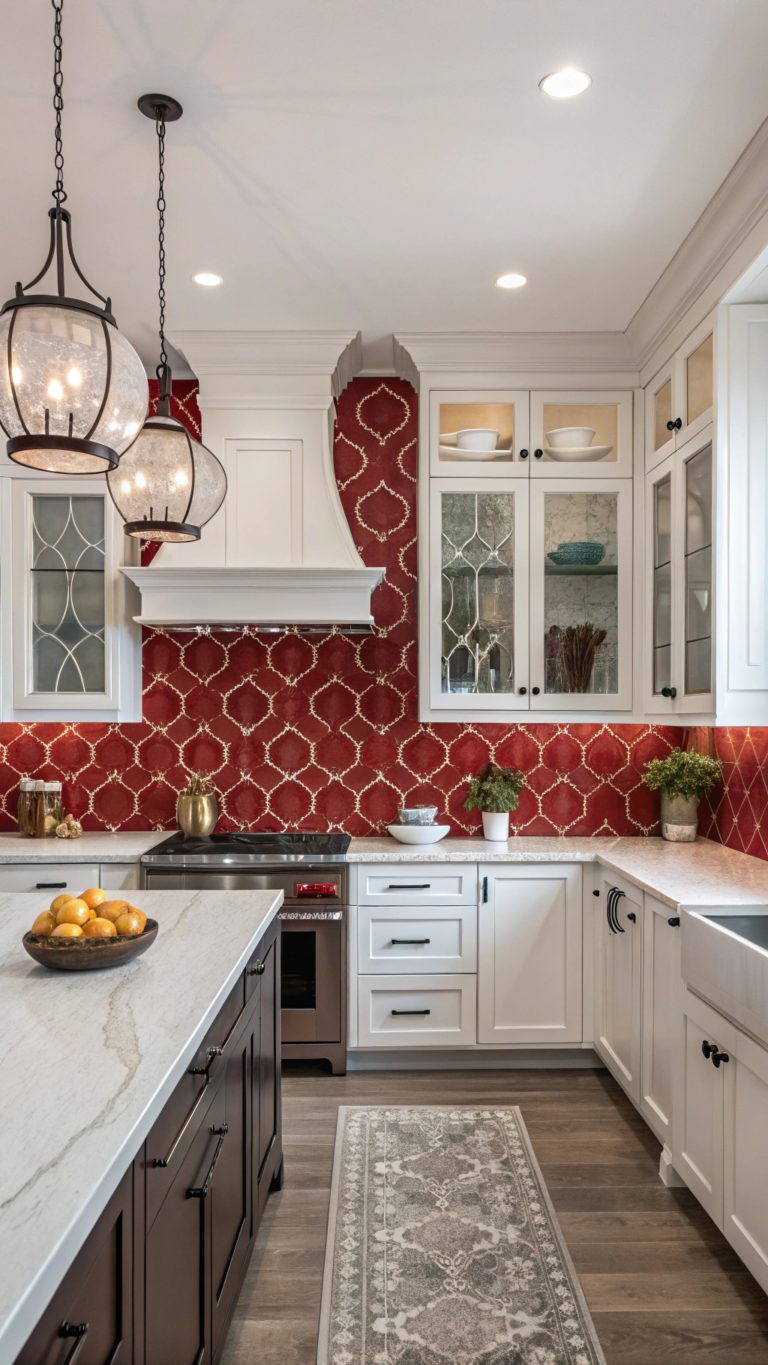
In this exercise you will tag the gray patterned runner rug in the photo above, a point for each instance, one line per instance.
(443, 1247)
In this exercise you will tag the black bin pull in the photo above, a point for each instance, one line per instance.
(51, 886)
(411, 1011)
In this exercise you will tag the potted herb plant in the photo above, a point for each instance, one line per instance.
(682, 778)
(495, 792)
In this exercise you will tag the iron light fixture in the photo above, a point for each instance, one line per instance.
(73, 391)
(168, 484)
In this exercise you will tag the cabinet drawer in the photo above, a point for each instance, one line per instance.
(417, 1011)
(428, 939)
(49, 879)
(175, 1129)
(412, 884)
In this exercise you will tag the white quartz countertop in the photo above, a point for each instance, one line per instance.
(687, 875)
(87, 1062)
(90, 848)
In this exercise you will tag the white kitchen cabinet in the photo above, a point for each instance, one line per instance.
(70, 649)
(699, 1114)
(618, 981)
(120, 876)
(417, 1011)
(48, 879)
(417, 884)
(502, 415)
(401, 939)
(530, 952)
(679, 400)
(606, 414)
(662, 1016)
(745, 1124)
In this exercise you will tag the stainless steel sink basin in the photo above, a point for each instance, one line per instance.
(725, 960)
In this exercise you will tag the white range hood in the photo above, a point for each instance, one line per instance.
(279, 552)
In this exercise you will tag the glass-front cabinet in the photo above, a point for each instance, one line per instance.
(530, 596)
(679, 583)
(70, 647)
(501, 433)
(679, 399)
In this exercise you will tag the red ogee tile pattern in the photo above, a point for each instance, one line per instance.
(737, 813)
(323, 733)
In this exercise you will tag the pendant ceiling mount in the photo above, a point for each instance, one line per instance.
(168, 484)
(73, 391)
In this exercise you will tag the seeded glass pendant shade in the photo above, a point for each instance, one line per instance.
(73, 391)
(168, 484)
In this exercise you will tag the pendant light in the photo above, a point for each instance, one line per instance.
(73, 391)
(168, 484)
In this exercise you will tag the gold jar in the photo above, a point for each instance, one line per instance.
(197, 815)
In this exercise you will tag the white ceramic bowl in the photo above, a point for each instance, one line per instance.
(477, 438)
(418, 834)
(570, 437)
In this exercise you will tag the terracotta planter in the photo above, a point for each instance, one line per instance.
(496, 825)
(197, 815)
(679, 818)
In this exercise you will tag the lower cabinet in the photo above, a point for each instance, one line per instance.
(91, 1316)
(417, 1011)
(618, 996)
(529, 960)
(157, 1281)
(662, 1013)
(698, 1135)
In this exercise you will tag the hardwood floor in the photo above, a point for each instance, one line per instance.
(661, 1282)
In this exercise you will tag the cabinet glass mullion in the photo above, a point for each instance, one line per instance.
(477, 626)
(68, 601)
(662, 583)
(698, 572)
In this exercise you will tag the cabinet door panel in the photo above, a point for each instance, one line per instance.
(747, 497)
(697, 381)
(698, 1133)
(619, 988)
(230, 1191)
(581, 420)
(662, 1017)
(746, 1124)
(494, 417)
(268, 1048)
(529, 969)
(661, 402)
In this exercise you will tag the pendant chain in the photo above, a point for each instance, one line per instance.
(160, 128)
(59, 193)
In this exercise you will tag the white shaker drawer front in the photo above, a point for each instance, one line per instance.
(428, 939)
(49, 879)
(417, 1011)
(412, 884)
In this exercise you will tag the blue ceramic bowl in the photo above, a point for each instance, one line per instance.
(578, 552)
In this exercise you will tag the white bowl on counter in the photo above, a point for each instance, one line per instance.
(418, 834)
(569, 438)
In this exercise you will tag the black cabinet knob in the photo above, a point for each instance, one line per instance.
(524, 454)
(537, 454)
(595, 893)
(708, 1048)
(675, 425)
(631, 916)
(535, 691)
(718, 1057)
(670, 692)
(522, 691)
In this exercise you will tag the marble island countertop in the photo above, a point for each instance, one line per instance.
(89, 848)
(681, 875)
(87, 1062)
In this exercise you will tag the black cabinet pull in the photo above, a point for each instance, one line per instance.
(670, 692)
(163, 1161)
(675, 425)
(257, 969)
(611, 908)
(708, 1048)
(53, 886)
(201, 1191)
(631, 915)
(404, 941)
(414, 886)
(522, 691)
(524, 454)
(78, 1330)
(674, 921)
(211, 1053)
(411, 1011)
(537, 454)
(485, 890)
(535, 691)
(718, 1057)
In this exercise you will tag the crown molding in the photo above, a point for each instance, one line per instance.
(513, 353)
(333, 358)
(730, 233)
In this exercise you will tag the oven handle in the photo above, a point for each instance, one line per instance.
(307, 915)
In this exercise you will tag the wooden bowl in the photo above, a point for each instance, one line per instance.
(88, 954)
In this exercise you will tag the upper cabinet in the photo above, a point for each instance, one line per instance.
(70, 648)
(679, 400)
(502, 433)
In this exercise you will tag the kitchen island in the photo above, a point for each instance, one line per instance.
(91, 1061)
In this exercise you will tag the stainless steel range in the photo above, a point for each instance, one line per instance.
(309, 870)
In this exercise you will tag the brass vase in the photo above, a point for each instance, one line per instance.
(197, 815)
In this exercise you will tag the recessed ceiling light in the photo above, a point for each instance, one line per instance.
(563, 85)
(511, 281)
(207, 279)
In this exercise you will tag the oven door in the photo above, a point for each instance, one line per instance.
(313, 955)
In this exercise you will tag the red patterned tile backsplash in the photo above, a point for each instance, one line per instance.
(737, 813)
(324, 732)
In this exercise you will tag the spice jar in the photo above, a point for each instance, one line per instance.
(53, 813)
(25, 809)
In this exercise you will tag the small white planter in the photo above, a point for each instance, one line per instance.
(496, 825)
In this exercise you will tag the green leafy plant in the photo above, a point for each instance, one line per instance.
(683, 773)
(496, 790)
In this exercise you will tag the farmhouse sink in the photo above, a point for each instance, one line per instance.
(725, 960)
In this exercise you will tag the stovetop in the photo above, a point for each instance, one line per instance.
(243, 849)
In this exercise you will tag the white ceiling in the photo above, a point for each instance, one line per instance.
(377, 163)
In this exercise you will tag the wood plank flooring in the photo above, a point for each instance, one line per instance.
(661, 1282)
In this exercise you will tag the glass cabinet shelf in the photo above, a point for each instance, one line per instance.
(576, 570)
